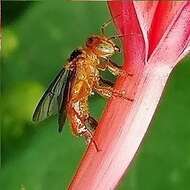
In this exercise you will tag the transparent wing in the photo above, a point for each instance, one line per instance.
(62, 98)
(51, 101)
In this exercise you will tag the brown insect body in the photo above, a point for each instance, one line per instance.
(87, 79)
(68, 94)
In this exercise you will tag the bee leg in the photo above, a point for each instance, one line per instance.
(113, 68)
(89, 138)
(114, 92)
(108, 91)
(116, 69)
(106, 82)
(91, 123)
(121, 94)
(87, 131)
(104, 91)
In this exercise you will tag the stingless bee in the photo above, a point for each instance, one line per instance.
(69, 92)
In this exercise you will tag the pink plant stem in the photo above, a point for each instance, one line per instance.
(125, 123)
(114, 162)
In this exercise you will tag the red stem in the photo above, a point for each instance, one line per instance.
(124, 123)
(118, 152)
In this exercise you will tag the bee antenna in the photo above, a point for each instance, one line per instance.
(121, 36)
(103, 27)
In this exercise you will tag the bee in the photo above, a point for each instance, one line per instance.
(68, 94)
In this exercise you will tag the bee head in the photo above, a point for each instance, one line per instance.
(102, 46)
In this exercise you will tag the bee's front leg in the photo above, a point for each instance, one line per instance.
(113, 68)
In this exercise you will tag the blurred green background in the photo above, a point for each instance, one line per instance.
(38, 38)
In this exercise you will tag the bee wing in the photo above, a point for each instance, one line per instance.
(63, 97)
(49, 104)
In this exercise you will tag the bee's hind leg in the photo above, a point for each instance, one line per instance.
(88, 135)
(90, 127)
(85, 129)
(91, 123)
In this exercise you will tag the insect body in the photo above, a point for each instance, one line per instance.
(68, 94)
